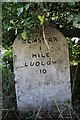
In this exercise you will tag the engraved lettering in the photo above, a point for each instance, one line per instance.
(48, 62)
(50, 40)
(39, 40)
(38, 55)
(35, 40)
(34, 55)
(23, 41)
(47, 55)
(26, 65)
(32, 63)
(40, 47)
(55, 38)
(40, 71)
(44, 71)
(37, 63)
(43, 40)
(29, 40)
(42, 63)
(42, 55)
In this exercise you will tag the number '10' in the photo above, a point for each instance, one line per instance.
(43, 71)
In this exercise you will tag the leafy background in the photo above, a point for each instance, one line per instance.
(24, 19)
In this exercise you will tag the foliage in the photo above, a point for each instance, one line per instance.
(7, 79)
(74, 50)
(21, 17)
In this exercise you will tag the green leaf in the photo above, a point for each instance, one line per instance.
(27, 6)
(79, 17)
(24, 36)
(12, 22)
(20, 11)
(71, 4)
(41, 18)
(70, 18)
(75, 22)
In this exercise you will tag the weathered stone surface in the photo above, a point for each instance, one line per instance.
(41, 74)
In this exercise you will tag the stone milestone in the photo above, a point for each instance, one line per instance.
(41, 72)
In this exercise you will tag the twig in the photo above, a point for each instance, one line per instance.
(45, 39)
(75, 114)
(58, 108)
(6, 115)
(70, 113)
(74, 79)
(38, 112)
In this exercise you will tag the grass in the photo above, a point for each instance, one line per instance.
(68, 114)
